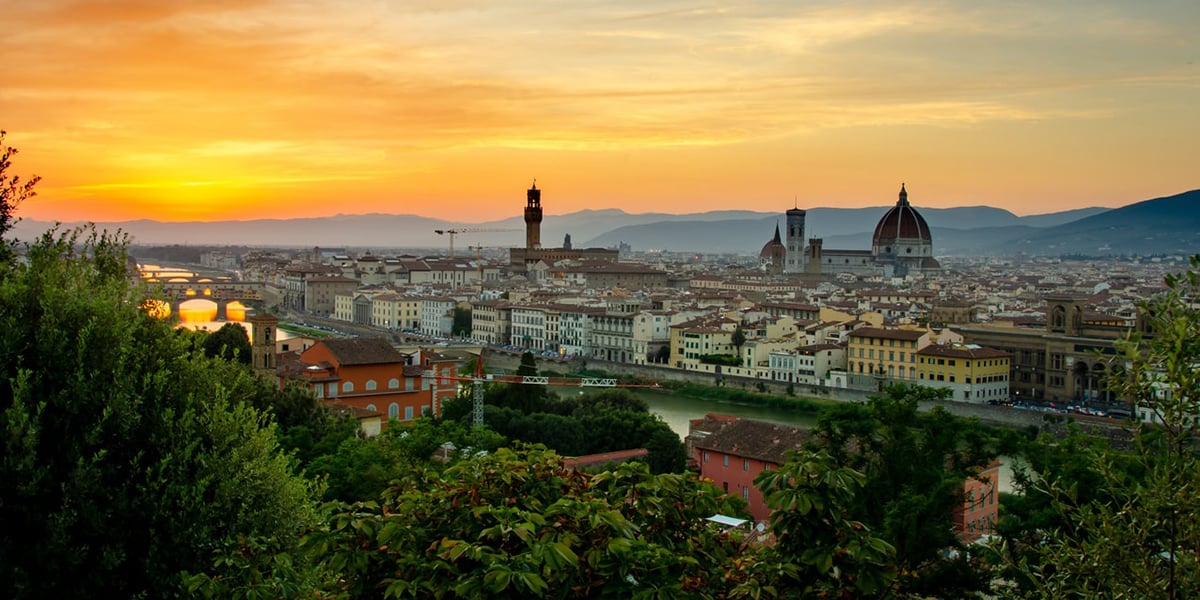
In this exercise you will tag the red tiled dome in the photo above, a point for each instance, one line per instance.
(771, 248)
(901, 222)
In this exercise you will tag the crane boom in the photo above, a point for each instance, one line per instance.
(453, 232)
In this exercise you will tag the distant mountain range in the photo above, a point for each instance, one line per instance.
(1169, 225)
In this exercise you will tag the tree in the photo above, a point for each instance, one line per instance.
(230, 342)
(461, 326)
(738, 339)
(518, 524)
(13, 192)
(823, 550)
(525, 398)
(914, 465)
(1140, 538)
(127, 458)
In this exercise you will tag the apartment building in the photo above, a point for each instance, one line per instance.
(972, 373)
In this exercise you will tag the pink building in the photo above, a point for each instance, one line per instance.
(976, 516)
(732, 452)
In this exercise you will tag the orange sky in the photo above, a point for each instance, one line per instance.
(238, 109)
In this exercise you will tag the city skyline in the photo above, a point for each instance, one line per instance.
(239, 110)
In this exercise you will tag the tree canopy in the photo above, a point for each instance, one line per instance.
(13, 191)
(231, 342)
(1111, 523)
(128, 458)
(518, 524)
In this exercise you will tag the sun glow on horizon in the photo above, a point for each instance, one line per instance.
(266, 109)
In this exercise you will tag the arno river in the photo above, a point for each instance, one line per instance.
(678, 410)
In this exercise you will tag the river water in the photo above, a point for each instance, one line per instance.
(678, 410)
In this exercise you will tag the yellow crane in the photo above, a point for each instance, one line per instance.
(454, 232)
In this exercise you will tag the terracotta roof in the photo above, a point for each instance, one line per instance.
(604, 458)
(888, 334)
(353, 411)
(754, 439)
(331, 279)
(362, 351)
(960, 351)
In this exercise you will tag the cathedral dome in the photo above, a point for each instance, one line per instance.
(773, 247)
(902, 222)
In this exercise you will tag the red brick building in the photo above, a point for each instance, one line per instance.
(369, 374)
(732, 452)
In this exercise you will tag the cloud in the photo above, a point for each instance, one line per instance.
(267, 90)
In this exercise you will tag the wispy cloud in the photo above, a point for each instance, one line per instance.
(265, 91)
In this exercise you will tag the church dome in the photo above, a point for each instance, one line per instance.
(773, 247)
(902, 222)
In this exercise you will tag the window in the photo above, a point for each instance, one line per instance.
(348, 386)
(726, 462)
(370, 386)
(410, 384)
(393, 384)
(371, 407)
(393, 411)
(745, 464)
(746, 492)
(706, 456)
(408, 413)
(332, 390)
(424, 411)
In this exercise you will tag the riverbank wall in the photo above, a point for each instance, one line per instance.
(1002, 416)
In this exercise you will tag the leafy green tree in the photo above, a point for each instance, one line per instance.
(127, 458)
(517, 524)
(1141, 538)
(604, 421)
(822, 550)
(361, 469)
(13, 191)
(525, 398)
(914, 464)
(461, 326)
(230, 342)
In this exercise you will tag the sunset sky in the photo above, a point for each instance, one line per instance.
(240, 109)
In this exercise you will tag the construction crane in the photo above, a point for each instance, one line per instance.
(454, 232)
(479, 379)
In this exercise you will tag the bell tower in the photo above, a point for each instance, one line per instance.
(533, 218)
(262, 344)
(795, 241)
(1064, 314)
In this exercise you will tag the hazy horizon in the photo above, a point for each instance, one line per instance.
(550, 214)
